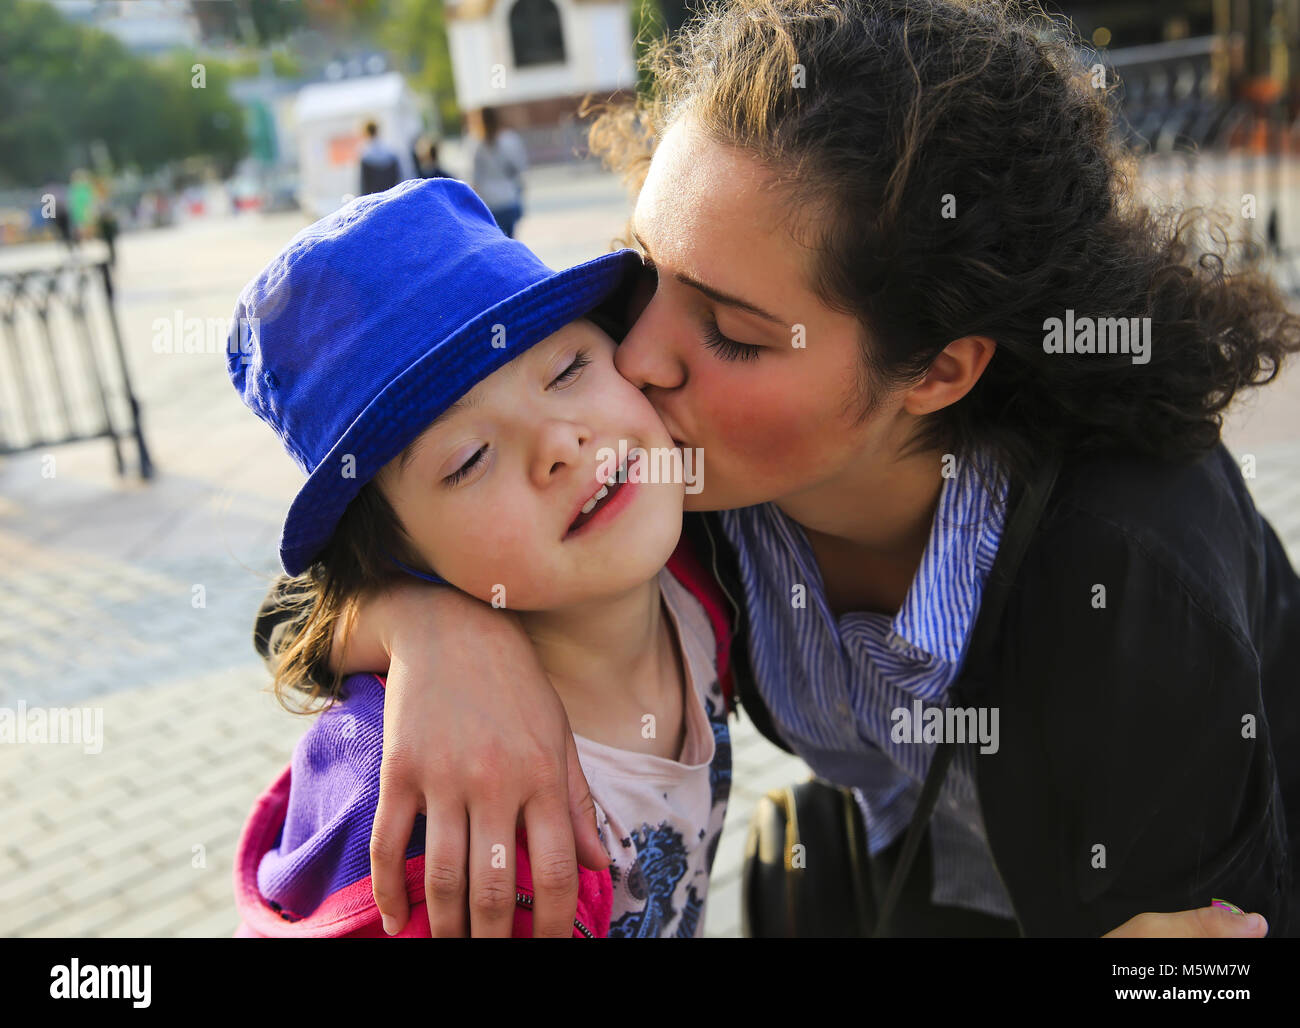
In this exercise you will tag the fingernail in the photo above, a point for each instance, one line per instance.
(390, 926)
(1228, 906)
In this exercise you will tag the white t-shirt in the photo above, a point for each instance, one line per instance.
(660, 818)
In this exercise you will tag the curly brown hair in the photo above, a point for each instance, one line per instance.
(875, 113)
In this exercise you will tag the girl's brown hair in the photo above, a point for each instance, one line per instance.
(355, 564)
(874, 114)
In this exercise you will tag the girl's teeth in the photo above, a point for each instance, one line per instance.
(590, 504)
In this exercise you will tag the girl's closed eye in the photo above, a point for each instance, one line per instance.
(460, 473)
(580, 361)
(571, 371)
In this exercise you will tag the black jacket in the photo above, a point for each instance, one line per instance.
(379, 171)
(1126, 726)
(1127, 778)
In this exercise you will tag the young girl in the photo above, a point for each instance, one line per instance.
(456, 411)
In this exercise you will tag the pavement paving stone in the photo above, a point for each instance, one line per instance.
(82, 835)
(217, 923)
(115, 876)
(73, 921)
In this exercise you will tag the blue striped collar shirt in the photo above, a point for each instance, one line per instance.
(833, 684)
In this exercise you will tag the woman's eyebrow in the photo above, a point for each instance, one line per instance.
(716, 295)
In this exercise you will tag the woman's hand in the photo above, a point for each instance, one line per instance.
(1202, 923)
(477, 740)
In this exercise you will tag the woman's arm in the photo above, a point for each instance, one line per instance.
(396, 621)
(476, 739)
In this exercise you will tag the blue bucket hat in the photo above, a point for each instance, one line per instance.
(377, 318)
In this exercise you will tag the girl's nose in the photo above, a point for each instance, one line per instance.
(560, 445)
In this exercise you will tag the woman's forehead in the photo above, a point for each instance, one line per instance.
(710, 212)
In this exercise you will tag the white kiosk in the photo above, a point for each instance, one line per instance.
(330, 120)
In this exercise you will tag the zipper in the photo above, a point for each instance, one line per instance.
(735, 607)
(717, 576)
(523, 899)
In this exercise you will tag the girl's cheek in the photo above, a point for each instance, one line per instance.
(630, 410)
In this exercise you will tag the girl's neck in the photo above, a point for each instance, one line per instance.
(606, 649)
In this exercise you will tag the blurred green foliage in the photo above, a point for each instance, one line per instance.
(64, 87)
(648, 23)
(415, 33)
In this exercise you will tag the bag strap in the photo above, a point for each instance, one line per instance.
(685, 566)
(1011, 550)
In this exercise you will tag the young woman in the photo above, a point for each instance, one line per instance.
(869, 224)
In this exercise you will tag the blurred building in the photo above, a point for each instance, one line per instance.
(534, 61)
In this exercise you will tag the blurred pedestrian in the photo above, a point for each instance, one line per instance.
(425, 155)
(497, 163)
(106, 223)
(81, 204)
(379, 166)
(58, 209)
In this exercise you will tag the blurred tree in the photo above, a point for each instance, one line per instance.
(266, 20)
(348, 18)
(415, 33)
(647, 23)
(64, 86)
(674, 13)
(273, 19)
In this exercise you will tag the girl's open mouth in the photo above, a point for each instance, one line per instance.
(611, 498)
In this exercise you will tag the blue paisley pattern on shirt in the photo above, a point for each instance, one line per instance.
(660, 865)
(720, 769)
(662, 862)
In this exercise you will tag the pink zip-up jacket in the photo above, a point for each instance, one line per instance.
(302, 866)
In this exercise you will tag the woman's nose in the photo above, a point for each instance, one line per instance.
(647, 356)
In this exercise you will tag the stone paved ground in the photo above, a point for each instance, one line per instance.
(98, 608)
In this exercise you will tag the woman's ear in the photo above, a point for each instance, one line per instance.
(951, 376)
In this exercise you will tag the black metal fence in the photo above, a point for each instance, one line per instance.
(1197, 149)
(63, 371)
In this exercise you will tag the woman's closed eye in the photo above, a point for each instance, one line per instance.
(727, 349)
(467, 467)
